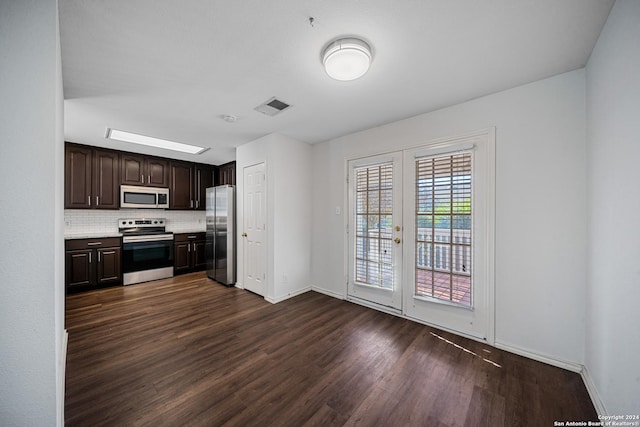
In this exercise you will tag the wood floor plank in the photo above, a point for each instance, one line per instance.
(188, 351)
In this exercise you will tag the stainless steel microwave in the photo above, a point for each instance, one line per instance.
(133, 196)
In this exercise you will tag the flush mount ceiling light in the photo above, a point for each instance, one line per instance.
(134, 138)
(346, 59)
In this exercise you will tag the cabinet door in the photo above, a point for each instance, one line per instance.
(181, 256)
(78, 268)
(181, 188)
(105, 179)
(231, 174)
(109, 270)
(222, 176)
(199, 259)
(204, 180)
(132, 169)
(227, 174)
(77, 177)
(157, 172)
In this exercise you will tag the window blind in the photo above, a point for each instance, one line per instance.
(374, 222)
(444, 227)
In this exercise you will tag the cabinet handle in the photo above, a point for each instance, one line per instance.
(142, 178)
(188, 247)
(148, 179)
(98, 256)
(191, 237)
(89, 257)
(94, 243)
(97, 200)
(197, 204)
(190, 203)
(89, 199)
(195, 249)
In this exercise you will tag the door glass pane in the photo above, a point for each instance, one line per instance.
(443, 228)
(374, 225)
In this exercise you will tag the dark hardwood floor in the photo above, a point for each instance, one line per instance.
(190, 352)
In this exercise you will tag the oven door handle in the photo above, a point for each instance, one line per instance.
(154, 238)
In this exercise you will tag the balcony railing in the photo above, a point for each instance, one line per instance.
(443, 262)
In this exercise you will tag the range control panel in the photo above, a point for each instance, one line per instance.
(140, 222)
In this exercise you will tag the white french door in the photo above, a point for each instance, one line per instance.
(375, 230)
(421, 233)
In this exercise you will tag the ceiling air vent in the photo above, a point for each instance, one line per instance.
(272, 106)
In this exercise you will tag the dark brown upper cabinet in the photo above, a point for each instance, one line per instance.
(105, 179)
(181, 185)
(136, 169)
(203, 180)
(189, 182)
(78, 168)
(91, 178)
(226, 174)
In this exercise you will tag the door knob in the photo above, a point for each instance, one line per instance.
(397, 240)
(244, 234)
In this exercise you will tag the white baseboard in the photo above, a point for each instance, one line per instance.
(327, 292)
(289, 295)
(544, 358)
(593, 392)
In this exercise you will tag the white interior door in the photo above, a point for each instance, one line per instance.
(255, 229)
(375, 230)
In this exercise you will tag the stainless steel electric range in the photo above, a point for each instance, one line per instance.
(147, 250)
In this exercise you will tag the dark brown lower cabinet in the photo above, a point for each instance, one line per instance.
(93, 263)
(188, 252)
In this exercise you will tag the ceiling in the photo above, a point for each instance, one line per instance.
(173, 69)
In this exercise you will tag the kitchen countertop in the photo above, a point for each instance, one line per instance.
(187, 231)
(91, 235)
(105, 235)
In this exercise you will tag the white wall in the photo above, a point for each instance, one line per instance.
(290, 171)
(288, 165)
(540, 204)
(58, 240)
(613, 94)
(31, 248)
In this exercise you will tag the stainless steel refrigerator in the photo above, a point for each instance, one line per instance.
(220, 246)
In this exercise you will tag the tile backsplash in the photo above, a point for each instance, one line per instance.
(85, 221)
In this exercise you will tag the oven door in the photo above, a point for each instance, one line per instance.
(147, 257)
